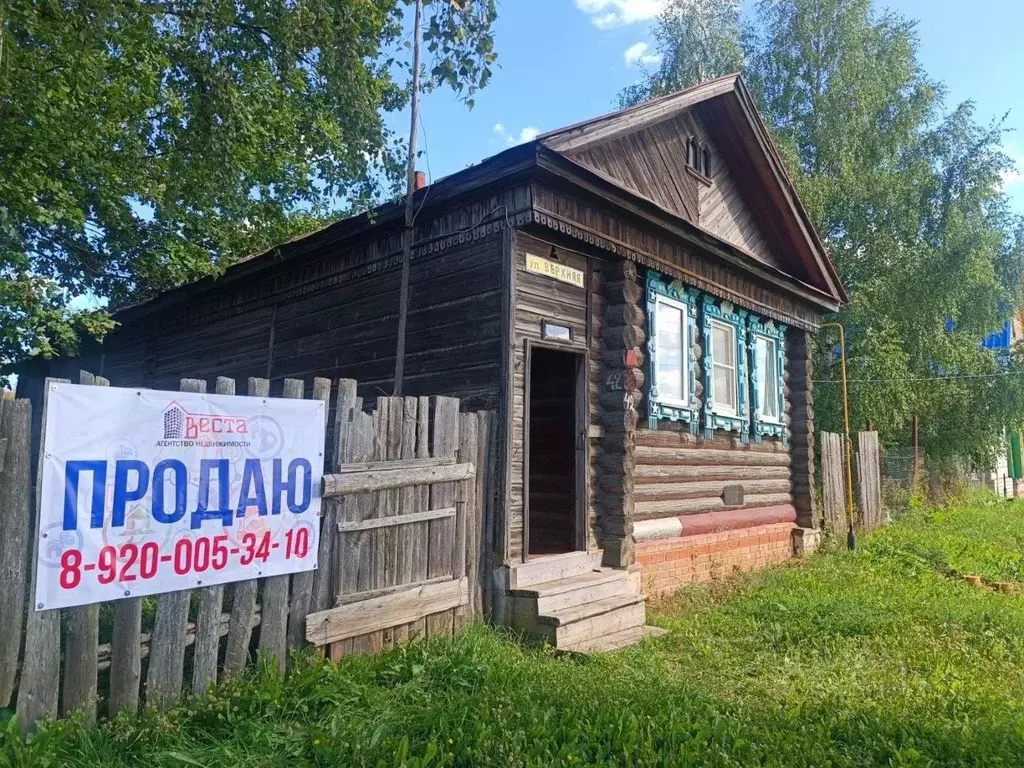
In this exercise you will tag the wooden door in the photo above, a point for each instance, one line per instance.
(555, 450)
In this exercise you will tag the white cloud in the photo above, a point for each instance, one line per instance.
(605, 14)
(1013, 176)
(638, 54)
(529, 133)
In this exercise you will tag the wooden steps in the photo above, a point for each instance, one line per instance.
(617, 640)
(553, 567)
(572, 603)
(576, 590)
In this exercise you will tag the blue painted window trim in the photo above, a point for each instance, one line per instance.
(763, 427)
(725, 312)
(658, 285)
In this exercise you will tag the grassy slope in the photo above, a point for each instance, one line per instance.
(869, 658)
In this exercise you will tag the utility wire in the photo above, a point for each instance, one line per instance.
(951, 377)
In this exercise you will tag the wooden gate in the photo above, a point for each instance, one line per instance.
(399, 513)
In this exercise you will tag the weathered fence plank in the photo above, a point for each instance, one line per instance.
(243, 601)
(327, 582)
(421, 494)
(465, 518)
(302, 582)
(485, 473)
(167, 648)
(397, 520)
(377, 506)
(440, 558)
(370, 616)
(375, 480)
(125, 656)
(409, 534)
(869, 481)
(40, 670)
(15, 524)
(349, 447)
(833, 483)
(378, 466)
(211, 602)
(394, 543)
(274, 629)
(83, 637)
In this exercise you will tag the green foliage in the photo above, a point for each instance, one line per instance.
(906, 196)
(872, 657)
(147, 143)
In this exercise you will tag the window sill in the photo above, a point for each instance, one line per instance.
(673, 403)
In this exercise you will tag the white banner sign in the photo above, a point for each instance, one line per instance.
(147, 491)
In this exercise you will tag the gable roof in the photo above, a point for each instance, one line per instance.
(725, 101)
(727, 105)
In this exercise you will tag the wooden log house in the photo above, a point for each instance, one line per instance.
(633, 295)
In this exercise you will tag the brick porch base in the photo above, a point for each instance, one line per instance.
(666, 564)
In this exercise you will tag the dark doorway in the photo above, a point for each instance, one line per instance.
(555, 451)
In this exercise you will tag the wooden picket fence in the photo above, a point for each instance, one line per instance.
(401, 555)
(867, 480)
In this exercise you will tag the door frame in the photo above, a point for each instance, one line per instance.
(582, 442)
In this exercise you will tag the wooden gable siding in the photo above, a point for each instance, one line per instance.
(726, 209)
(786, 235)
(535, 299)
(650, 161)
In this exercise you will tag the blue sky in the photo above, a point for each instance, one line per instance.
(566, 60)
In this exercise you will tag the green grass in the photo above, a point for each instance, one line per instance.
(876, 657)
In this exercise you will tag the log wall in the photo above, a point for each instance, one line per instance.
(800, 401)
(680, 474)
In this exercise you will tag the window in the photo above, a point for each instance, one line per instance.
(725, 365)
(670, 362)
(723, 356)
(766, 364)
(705, 166)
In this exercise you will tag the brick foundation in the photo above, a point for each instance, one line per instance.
(669, 563)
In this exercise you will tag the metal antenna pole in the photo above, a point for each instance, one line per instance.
(410, 189)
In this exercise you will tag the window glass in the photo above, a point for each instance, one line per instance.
(723, 355)
(767, 365)
(671, 344)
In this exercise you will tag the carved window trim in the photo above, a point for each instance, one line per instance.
(716, 418)
(776, 333)
(660, 287)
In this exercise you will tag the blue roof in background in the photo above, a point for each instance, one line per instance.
(998, 339)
